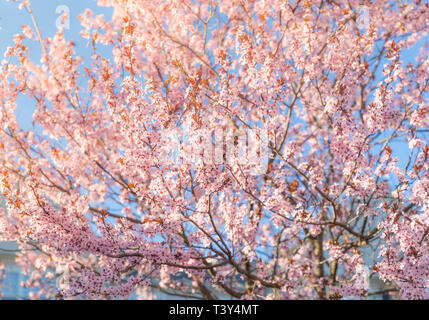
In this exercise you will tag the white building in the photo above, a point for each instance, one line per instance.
(11, 284)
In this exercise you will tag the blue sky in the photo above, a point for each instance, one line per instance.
(45, 11)
(11, 18)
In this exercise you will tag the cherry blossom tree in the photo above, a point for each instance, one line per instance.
(202, 148)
